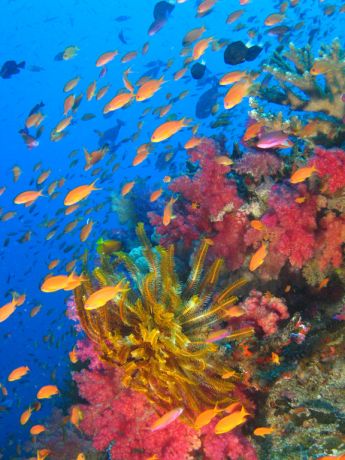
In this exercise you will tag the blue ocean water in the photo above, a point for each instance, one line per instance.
(35, 32)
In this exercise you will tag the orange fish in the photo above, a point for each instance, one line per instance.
(81, 456)
(168, 129)
(155, 195)
(16, 173)
(68, 103)
(62, 125)
(200, 47)
(126, 82)
(205, 6)
(47, 392)
(43, 176)
(252, 131)
(129, 56)
(273, 19)
(42, 454)
(27, 197)
(166, 419)
(94, 157)
(90, 91)
(37, 429)
(323, 283)
(54, 283)
(106, 57)
(71, 84)
(24, 418)
(228, 374)
(258, 257)
(320, 67)
(102, 92)
(34, 119)
(302, 174)
(168, 213)
(79, 193)
(119, 101)
(263, 431)
(73, 356)
(205, 417)
(127, 188)
(18, 373)
(275, 358)
(236, 94)
(234, 16)
(192, 142)
(76, 416)
(180, 73)
(102, 296)
(235, 311)
(258, 225)
(166, 179)
(35, 310)
(231, 421)
(224, 160)
(148, 89)
(193, 35)
(86, 230)
(232, 77)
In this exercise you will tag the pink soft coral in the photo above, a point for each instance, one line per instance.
(231, 445)
(263, 312)
(119, 419)
(258, 164)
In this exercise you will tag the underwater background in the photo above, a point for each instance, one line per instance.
(213, 234)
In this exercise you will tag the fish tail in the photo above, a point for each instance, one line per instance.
(21, 65)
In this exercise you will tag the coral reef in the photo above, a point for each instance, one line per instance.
(118, 420)
(306, 404)
(156, 328)
(307, 86)
(263, 311)
(209, 205)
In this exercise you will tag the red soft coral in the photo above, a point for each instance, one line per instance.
(209, 205)
(231, 445)
(121, 416)
(330, 165)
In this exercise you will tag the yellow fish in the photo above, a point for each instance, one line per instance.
(302, 174)
(258, 257)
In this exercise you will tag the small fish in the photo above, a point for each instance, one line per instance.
(10, 68)
(231, 421)
(79, 193)
(166, 419)
(263, 431)
(86, 230)
(274, 139)
(47, 392)
(206, 417)
(200, 48)
(18, 373)
(274, 19)
(232, 77)
(70, 52)
(168, 129)
(236, 94)
(258, 257)
(71, 84)
(25, 416)
(302, 174)
(168, 213)
(275, 358)
(102, 296)
(127, 188)
(76, 416)
(27, 197)
(37, 429)
(119, 101)
(155, 195)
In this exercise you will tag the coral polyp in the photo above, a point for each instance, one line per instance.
(156, 330)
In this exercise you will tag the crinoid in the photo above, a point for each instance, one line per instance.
(156, 328)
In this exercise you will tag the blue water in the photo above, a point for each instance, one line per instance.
(36, 32)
